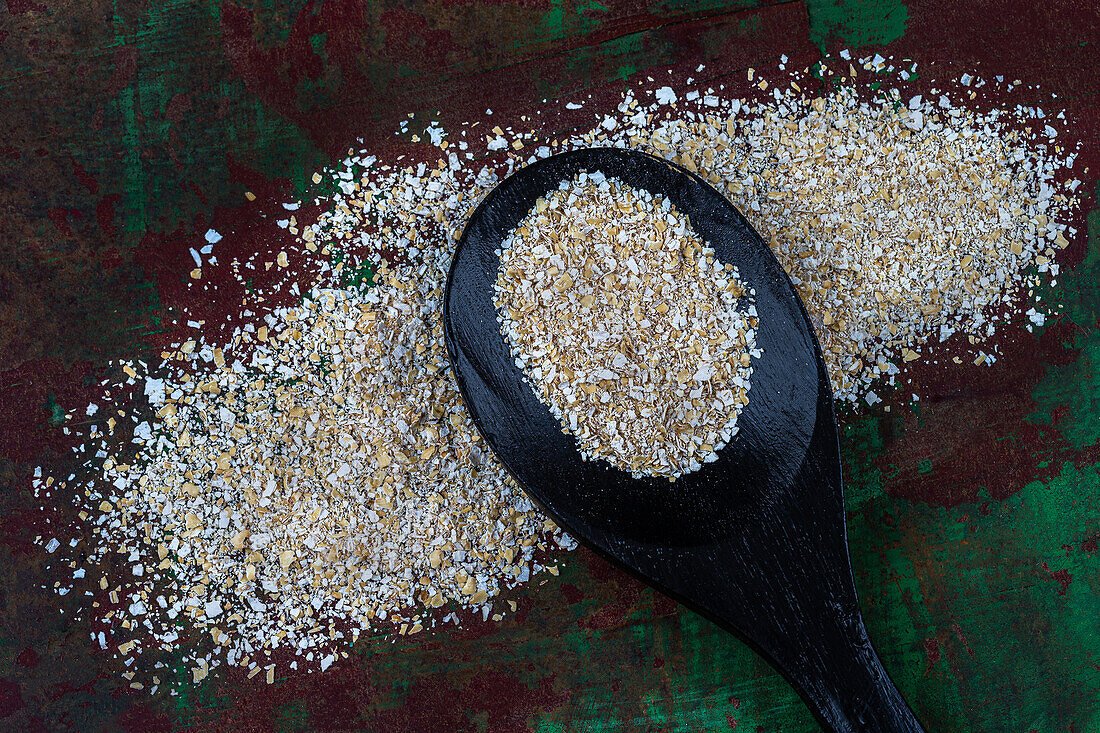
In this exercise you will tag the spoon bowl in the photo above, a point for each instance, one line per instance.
(754, 540)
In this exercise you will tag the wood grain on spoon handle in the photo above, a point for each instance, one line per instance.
(850, 690)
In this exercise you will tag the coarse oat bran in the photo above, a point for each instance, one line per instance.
(627, 327)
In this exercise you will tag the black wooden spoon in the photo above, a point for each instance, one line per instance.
(755, 540)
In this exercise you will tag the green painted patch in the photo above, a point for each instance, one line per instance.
(55, 411)
(322, 92)
(616, 58)
(562, 20)
(856, 23)
(180, 113)
(624, 72)
(1071, 393)
(948, 595)
(673, 672)
(292, 717)
(862, 442)
(353, 274)
(751, 25)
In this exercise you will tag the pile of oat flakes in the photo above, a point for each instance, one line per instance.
(638, 340)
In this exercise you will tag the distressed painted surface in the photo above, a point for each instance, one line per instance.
(126, 129)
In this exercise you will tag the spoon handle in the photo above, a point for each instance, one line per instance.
(848, 688)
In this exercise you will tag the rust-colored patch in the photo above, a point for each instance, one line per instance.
(105, 215)
(124, 61)
(18, 7)
(11, 699)
(970, 423)
(28, 658)
(505, 701)
(932, 651)
(571, 593)
(27, 396)
(1062, 577)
